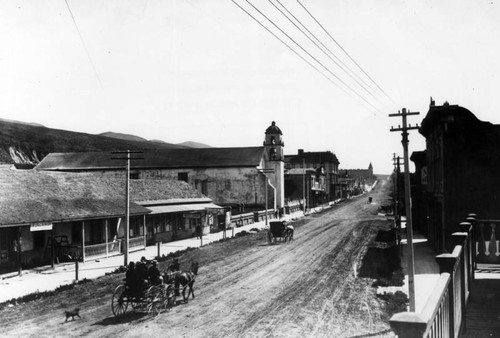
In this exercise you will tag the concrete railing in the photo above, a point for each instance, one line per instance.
(242, 219)
(444, 313)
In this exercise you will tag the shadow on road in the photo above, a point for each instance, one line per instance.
(125, 318)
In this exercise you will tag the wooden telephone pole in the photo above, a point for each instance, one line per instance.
(409, 230)
(127, 198)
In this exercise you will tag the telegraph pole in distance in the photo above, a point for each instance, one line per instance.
(409, 230)
(127, 196)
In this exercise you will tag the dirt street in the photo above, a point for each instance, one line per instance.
(245, 288)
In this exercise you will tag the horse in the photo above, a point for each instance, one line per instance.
(289, 232)
(186, 279)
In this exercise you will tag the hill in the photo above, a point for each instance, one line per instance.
(187, 144)
(121, 136)
(27, 144)
(192, 144)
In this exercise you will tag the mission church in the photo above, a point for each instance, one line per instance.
(228, 176)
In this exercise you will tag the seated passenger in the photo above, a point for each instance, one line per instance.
(154, 274)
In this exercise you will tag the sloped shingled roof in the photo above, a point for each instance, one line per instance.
(28, 196)
(162, 158)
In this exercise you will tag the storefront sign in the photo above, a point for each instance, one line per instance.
(42, 226)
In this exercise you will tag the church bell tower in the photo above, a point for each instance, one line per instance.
(275, 159)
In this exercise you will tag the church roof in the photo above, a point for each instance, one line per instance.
(161, 158)
(273, 129)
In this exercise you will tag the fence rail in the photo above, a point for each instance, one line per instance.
(444, 313)
(136, 243)
(99, 250)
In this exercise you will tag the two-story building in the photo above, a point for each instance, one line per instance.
(461, 172)
(326, 161)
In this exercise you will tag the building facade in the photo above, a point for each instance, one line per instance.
(461, 172)
(46, 216)
(324, 161)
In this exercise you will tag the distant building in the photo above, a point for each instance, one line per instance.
(228, 176)
(461, 172)
(356, 181)
(307, 184)
(319, 166)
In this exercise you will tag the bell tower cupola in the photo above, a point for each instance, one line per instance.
(273, 143)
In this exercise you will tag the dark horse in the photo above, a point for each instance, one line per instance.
(186, 279)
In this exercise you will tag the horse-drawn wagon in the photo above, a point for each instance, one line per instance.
(279, 231)
(155, 298)
(152, 299)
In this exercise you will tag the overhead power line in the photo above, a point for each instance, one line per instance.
(289, 47)
(311, 56)
(83, 43)
(330, 54)
(348, 55)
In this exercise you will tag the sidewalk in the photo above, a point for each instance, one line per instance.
(425, 266)
(46, 279)
(426, 270)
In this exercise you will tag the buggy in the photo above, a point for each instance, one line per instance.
(279, 231)
(152, 299)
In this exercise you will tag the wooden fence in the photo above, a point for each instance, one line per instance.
(444, 313)
(99, 250)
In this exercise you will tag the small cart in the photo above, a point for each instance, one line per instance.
(279, 232)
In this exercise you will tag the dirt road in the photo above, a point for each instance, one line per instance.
(246, 288)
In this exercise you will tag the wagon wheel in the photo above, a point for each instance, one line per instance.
(170, 297)
(120, 300)
(270, 237)
(155, 300)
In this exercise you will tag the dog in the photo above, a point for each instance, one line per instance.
(72, 314)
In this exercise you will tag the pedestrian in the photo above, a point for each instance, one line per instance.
(198, 231)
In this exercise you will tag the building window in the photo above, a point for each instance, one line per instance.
(183, 177)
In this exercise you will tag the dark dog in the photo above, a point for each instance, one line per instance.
(72, 314)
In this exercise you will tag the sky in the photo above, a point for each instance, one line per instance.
(206, 71)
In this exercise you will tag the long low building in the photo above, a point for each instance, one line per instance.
(48, 215)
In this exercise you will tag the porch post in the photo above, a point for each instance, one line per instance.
(83, 241)
(144, 230)
(106, 221)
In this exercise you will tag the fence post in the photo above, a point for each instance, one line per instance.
(471, 218)
(158, 244)
(447, 264)
(408, 325)
(76, 270)
(461, 238)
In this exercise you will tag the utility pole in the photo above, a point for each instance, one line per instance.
(127, 197)
(304, 184)
(397, 213)
(409, 230)
(265, 172)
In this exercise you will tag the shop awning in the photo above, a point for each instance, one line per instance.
(165, 209)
